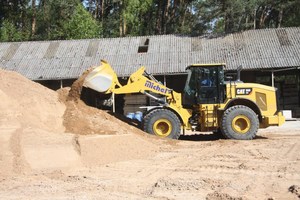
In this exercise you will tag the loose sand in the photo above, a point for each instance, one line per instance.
(43, 130)
(28, 104)
(53, 146)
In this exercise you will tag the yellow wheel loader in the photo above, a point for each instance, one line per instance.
(208, 102)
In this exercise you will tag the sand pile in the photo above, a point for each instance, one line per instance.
(41, 129)
(32, 105)
(28, 104)
(82, 119)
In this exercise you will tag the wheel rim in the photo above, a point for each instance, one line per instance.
(241, 124)
(162, 127)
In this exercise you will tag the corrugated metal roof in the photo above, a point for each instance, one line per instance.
(254, 49)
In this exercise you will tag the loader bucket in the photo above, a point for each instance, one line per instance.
(102, 79)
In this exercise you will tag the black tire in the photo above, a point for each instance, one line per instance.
(163, 123)
(240, 123)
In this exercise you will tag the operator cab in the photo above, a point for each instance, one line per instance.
(204, 85)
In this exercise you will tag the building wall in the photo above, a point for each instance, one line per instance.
(287, 83)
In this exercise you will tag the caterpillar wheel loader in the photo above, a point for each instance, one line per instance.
(208, 102)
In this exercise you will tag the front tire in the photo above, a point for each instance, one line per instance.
(163, 123)
(240, 123)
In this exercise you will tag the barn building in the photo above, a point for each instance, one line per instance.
(268, 56)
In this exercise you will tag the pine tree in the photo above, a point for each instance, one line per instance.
(81, 25)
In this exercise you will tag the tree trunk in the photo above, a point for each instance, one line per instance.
(280, 17)
(263, 18)
(97, 5)
(254, 18)
(33, 22)
(159, 18)
(173, 11)
(102, 10)
(166, 16)
(122, 20)
(23, 17)
(183, 17)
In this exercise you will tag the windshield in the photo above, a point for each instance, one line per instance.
(202, 77)
(203, 85)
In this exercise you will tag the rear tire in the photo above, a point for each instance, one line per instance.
(240, 123)
(163, 123)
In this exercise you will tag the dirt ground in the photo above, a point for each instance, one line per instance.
(55, 148)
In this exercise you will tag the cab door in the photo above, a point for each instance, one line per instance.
(211, 87)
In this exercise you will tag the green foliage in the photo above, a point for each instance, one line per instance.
(133, 13)
(81, 25)
(14, 20)
(53, 16)
(9, 32)
(65, 19)
(218, 26)
(69, 19)
(226, 16)
(110, 19)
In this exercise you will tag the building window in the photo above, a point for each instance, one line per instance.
(143, 47)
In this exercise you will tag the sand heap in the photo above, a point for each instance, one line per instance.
(82, 119)
(33, 120)
(25, 103)
(32, 105)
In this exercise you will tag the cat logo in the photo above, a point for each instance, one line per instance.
(243, 91)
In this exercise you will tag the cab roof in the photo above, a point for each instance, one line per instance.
(207, 65)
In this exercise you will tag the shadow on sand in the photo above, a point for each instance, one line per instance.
(202, 137)
(209, 137)
(198, 136)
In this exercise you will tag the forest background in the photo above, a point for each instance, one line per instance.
(28, 20)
